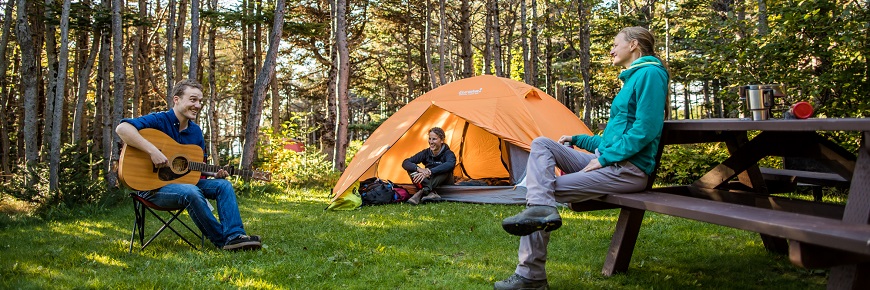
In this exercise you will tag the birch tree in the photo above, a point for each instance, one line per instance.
(262, 81)
(28, 90)
(119, 79)
(63, 60)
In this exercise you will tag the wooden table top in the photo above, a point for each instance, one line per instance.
(732, 124)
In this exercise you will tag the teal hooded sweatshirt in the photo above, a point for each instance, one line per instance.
(637, 115)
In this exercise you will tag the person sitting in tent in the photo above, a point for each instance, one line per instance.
(623, 159)
(438, 162)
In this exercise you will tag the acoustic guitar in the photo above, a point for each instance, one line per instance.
(136, 171)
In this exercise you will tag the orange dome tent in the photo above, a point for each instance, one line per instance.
(489, 121)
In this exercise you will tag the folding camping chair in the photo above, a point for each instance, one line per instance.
(140, 205)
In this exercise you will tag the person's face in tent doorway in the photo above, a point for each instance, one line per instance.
(435, 142)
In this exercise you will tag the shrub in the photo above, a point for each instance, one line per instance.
(290, 168)
(80, 181)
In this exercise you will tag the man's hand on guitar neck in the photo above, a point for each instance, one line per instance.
(220, 174)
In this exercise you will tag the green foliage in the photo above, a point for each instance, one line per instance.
(80, 182)
(290, 168)
(683, 164)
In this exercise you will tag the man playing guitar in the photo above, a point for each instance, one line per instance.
(178, 123)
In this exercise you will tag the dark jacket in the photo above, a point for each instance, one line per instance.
(441, 163)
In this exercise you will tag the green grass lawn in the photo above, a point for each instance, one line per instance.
(432, 246)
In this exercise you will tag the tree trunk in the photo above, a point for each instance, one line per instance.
(104, 114)
(212, 90)
(496, 39)
(179, 40)
(533, 46)
(342, 118)
(51, 58)
(763, 28)
(84, 77)
(409, 63)
(194, 40)
(28, 88)
(687, 106)
(120, 78)
(54, 156)
(428, 51)
(4, 99)
(137, 74)
(548, 51)
(465, 21)
(442, 42)
(263, 78)
(276, 104)
(487, 36)
(524, 35)
(327, 134)
(167, 56)
(585, 57)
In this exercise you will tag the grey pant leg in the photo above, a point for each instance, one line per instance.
(533, 255)
(544, 156)
(544, 188)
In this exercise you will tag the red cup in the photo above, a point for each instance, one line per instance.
(801, 110)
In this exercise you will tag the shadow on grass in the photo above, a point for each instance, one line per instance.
(432, 246)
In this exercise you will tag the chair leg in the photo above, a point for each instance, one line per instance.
(166, 224)
(138, 224)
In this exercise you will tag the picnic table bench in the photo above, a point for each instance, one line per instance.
(735, 194)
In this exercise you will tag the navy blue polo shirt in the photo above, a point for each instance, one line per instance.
(167, 123)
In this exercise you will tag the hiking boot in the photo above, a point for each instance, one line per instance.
(516, 282)
(415, 199)
(243, 242)
(533, 218)
(432, 197)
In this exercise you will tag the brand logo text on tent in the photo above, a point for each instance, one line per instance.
(470, 92)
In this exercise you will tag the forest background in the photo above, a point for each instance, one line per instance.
(326, 73)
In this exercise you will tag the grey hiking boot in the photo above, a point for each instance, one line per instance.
(415, 199)
(533, 218)
(432, 197)
(517, 282)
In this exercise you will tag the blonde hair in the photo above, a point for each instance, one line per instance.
(647, 43)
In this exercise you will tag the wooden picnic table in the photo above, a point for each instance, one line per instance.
(735, 194)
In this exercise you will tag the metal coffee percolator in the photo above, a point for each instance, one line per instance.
(759, 99)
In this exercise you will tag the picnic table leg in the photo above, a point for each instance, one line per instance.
(623, 241)
(856, 276)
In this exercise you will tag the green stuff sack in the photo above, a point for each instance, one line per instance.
(349, 200)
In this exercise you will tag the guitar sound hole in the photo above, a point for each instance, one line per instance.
(179, 165)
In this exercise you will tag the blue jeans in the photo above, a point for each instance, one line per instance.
(193, 198)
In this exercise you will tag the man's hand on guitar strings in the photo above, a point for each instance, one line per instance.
(159, 159)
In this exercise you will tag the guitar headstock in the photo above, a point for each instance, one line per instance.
(262, 176)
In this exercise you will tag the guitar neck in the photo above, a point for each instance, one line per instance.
(205, 167)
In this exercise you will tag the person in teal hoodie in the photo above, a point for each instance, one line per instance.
(621, 161)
